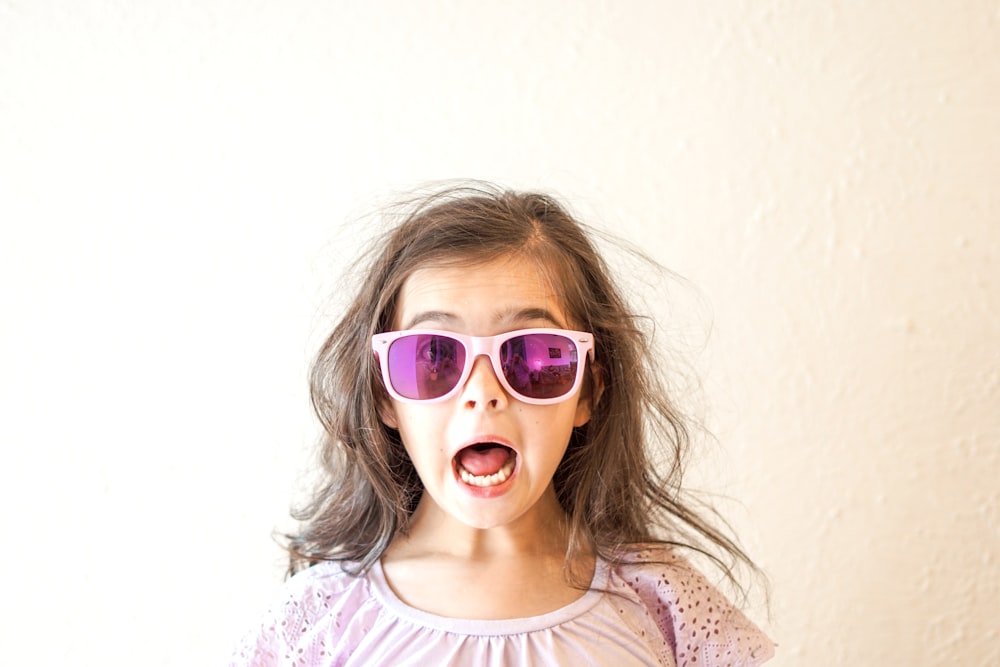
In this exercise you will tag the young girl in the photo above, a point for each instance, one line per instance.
(489, 498)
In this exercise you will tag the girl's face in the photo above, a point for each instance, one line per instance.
(482, 429)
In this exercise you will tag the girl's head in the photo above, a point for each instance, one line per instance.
(456, 244)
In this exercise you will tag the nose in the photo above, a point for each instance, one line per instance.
(483, 389)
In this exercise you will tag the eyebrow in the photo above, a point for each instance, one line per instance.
(429, 316)
(514, 315)
(510, 315)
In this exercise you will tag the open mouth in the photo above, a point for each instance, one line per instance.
(485, 464)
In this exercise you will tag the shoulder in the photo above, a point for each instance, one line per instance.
(696, 619)
(315, 603)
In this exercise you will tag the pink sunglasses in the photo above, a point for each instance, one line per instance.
(537, 366)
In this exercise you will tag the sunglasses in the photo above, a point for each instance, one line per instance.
(537, 366)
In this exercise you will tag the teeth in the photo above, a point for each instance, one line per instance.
(499, 477)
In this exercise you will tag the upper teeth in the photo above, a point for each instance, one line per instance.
(499, 477)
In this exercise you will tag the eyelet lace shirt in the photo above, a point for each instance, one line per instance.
(655, 610)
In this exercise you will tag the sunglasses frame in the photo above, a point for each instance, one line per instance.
(477, 346)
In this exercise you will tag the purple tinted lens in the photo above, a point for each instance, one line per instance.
(540, 365)
(424, 366)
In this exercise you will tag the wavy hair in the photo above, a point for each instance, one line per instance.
(620, 479)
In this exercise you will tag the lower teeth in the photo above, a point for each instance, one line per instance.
(499, 477)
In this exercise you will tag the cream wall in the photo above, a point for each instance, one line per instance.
(174, 179)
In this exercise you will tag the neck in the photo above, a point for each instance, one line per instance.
(541, 532)
(446, 567)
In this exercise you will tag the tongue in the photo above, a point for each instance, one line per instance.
(483, 459)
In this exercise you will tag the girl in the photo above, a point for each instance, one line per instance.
(490, 410)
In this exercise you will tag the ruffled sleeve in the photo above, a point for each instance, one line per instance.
(701, 626)
(321, 614)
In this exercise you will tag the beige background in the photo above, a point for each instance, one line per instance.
(174, 182)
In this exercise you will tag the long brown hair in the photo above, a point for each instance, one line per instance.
(607, 483)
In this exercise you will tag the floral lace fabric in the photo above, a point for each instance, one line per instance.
(654, 610)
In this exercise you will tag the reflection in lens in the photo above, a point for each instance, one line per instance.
(539, 365)
(424, 366)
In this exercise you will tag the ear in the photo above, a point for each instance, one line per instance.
(590, 396)
(387, 412)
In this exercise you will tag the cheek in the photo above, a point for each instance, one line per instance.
(420, 430)
(410, 417)
(556, 423)
(563, 417)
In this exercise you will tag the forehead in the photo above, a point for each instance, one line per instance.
(497, 294)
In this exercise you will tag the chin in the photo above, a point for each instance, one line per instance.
(486, 520)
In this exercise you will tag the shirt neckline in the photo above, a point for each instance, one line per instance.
(492, 627)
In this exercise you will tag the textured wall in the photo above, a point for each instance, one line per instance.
(173, 179)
